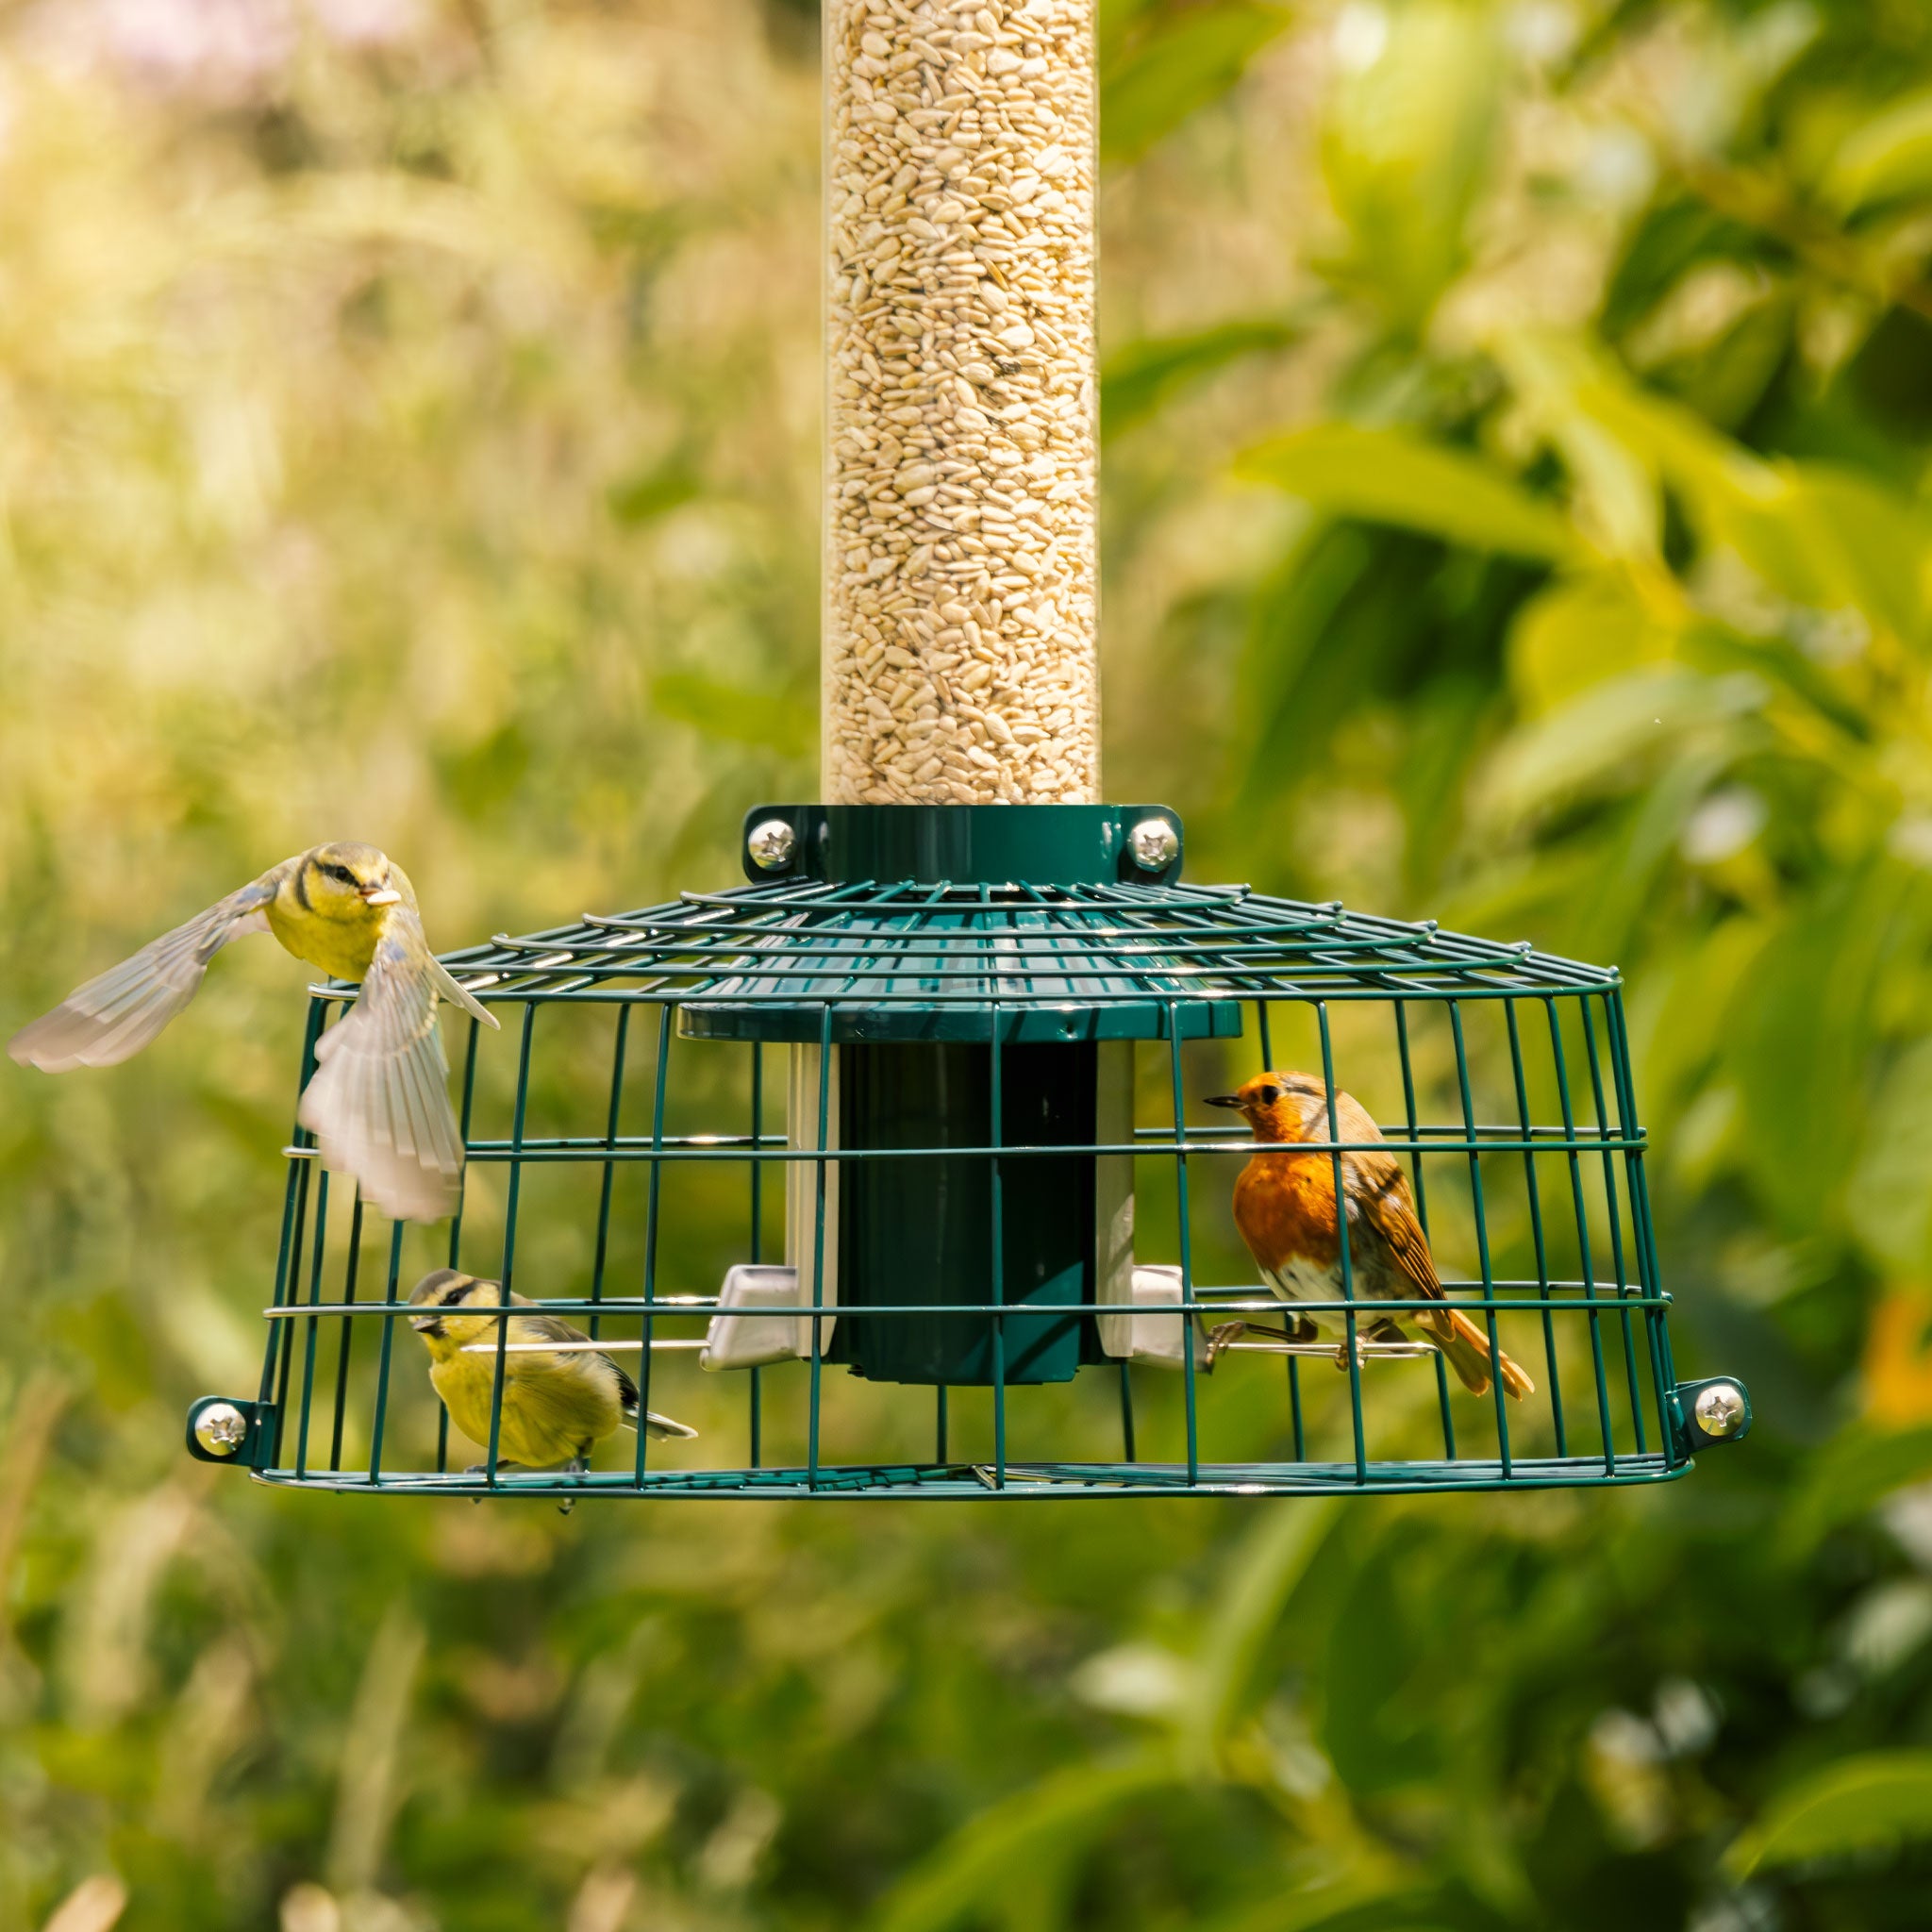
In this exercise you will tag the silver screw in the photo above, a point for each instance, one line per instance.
(221, 1429)
(772, 844)
(1720, 1409)
(1154, 844)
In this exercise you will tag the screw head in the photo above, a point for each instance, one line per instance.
(1154, 844)
(1720, 1409)
(771, 844)
(221, 1429)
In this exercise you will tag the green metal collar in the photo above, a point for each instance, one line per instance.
(964, 844)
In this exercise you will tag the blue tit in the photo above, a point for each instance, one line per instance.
(557, 1405)
(378, 1105)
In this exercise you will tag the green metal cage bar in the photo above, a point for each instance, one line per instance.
(948, 949)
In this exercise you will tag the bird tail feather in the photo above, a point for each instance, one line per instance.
(660, 1428)
(1467, 1350)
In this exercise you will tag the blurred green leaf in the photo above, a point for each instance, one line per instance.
(1385, 1908)
(1590, 741)
(1885, 156)
(1715, 650)
(1850, 1478)
(1891, 1195)
(1390, 477)
(1724, 372)
(1800, 1036)
(1648, 838)
(1828, 541)
(1369, 1724)
(1356, 616)
(1578, 632)
(1406, 142)
(1018, 1841)
(1862, 545)
(653, 493)
(1160, 64)
(1873, 1803)
(1138, 379)
(735, 715)
(1266, 1571)
(1555, 374)
(1823, 537)
(485, 775)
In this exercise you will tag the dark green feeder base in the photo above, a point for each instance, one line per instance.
(945, 1231)
(912, 995)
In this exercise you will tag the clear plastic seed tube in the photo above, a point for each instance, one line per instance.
(960, 412)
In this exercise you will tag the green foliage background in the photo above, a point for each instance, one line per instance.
(1516, 513)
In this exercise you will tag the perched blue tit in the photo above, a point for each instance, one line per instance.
(559, 1402)
(378, 1105)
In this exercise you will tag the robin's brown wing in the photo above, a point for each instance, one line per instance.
(1384, 1206)
(1378, 1191)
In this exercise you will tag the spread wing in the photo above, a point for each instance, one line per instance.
(379, 1102)
(113, 1017)
(460, 995)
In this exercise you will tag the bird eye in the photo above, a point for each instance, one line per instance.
(342, 873)
(1270, 1096)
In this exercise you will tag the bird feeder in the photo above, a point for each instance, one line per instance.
(903, 1134)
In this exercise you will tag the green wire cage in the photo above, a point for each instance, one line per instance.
(904, 1137)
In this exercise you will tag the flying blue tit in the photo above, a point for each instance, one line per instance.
(557, 1403)
(378, 1105)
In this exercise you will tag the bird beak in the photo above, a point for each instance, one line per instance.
(381, 895)
(1222, 1100)
(426, 1325)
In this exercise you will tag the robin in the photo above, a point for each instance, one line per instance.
(1284, 1205)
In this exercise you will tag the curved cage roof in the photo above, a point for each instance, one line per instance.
(905, 959)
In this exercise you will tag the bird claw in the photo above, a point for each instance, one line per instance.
(1219, 1337)
(1384, 1331)
(1302, 1328)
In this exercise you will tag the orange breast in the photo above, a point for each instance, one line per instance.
(1284, 1205)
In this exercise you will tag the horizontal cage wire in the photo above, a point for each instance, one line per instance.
(742, 1087)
